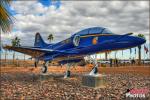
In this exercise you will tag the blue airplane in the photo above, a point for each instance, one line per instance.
(85, 42)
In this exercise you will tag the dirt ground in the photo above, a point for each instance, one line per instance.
(28, 66)
(144, 70)
(24, 83)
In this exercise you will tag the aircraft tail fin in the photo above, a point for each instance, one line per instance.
(39, 42)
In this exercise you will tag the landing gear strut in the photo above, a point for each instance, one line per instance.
(36, 62)
(95, 68)
(68, 73)
(44, 67)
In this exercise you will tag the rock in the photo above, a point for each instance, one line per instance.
(98, 97)
(19, 86)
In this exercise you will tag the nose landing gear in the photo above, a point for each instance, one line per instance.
(94, 71)
(95, 68)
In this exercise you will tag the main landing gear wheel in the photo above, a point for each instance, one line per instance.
(44, 68)
(67, 74)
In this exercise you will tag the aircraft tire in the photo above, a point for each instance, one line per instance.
(44, 69)
(95, 70)
(35, 64)
(68, 73)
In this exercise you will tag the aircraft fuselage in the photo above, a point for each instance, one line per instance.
(90, 43)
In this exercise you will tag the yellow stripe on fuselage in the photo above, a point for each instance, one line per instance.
(89, 35)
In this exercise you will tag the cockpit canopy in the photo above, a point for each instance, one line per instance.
(89, 31)
(94, 30)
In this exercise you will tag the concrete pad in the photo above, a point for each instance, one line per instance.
(95, 81)
(46, 77)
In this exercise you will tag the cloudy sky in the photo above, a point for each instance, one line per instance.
(63, 18)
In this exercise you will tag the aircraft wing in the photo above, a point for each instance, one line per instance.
(36, 52)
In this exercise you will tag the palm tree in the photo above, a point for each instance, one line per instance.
(5, 55)
(139, 47)
(24, 59)
(5, 16)
(1, 51)
(50, 37)
(15, 43)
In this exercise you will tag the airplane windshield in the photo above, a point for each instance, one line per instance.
(106, 31)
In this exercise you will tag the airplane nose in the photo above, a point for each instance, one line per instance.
(141, 40)
(136, 40)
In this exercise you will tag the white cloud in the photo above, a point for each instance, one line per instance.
(28, 7)
(72, 16)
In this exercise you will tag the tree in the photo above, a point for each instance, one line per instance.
(139, 49)
(5, 55)
(1, 51)
(5, 16)
(15, 43)
(106, 54)
(50, 37)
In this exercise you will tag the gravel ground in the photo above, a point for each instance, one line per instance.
(26, 86)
